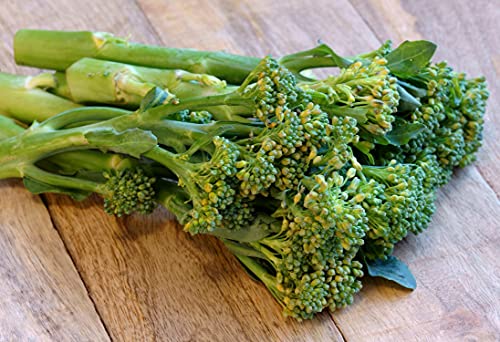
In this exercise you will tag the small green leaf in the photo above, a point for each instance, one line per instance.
(410, 57)
(300, 61)
(258, 230)
(365, 149)
(407, 102)
(154, 98)
(412, 89)
(324, 50)
(402, 133)
(37, 188)
(134, 142)
(392, 269)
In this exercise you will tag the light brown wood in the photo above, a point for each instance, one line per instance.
(42, 297)
(151, 281)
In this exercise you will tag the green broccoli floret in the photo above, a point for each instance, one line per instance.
(200, 117)
(129, 190)
(395, 204)
(365, 91)
(308, 264)
(452, 116)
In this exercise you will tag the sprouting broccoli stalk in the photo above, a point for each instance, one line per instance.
(366, 92)
(97, 81)
(451, 113)
(24, 98)
(49, 50)
(301, 246)
(58, 50)
(125, 186)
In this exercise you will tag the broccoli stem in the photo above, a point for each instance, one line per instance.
(174, 199)
(98, 81)
(72, 161)
(24, 99)
(261, 273)
(9, 128)
(57, 50)
(168, 159)
(34, 172)
(18, 153)
(81, 116)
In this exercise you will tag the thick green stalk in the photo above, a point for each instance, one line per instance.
(174, 199)
(24, 99)
(37, 174)
(73, 161)
(92, 80)
(261, 273)
(18, 152)
(9, 128)
(58, 50)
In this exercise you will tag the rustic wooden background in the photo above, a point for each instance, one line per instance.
(69, 272)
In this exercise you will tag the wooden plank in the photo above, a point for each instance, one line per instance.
(42, 297)
(148, 279)
(466, 33)
(364, 320)
(259, 27)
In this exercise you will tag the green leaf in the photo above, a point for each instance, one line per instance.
(37, 187)
(154, 98)
(324, 50)
(412, 89)
(392, 269)
(363, 148)
(260, 228)
(134, 142)
(410, 57)
(407, 102)
(402, 133)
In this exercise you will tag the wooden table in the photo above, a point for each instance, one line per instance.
(69, 272)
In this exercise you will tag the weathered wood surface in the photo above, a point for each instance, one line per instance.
(150, 281)
(41, 294)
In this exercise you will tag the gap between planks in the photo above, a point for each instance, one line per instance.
(54, 225)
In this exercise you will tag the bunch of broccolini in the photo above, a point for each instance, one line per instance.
(305, 180)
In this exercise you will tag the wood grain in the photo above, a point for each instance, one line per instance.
(42, 297)
(378, 316)
(466, 33)
(148, 279)
(151, 281)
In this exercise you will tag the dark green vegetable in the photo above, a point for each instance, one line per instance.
(303, 179)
